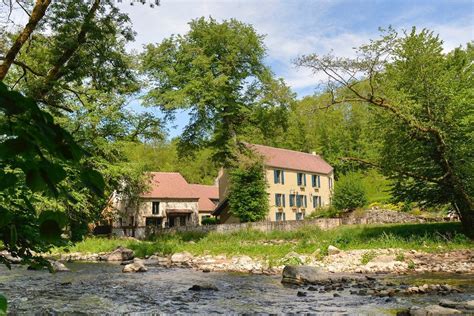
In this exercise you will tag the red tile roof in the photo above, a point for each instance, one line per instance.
(206, 193)
(169, 185)
(290, 159)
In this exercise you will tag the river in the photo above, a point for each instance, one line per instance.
(103, 289)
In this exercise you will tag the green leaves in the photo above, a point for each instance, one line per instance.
(3, 305)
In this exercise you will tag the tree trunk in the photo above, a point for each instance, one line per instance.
(464, 207)
(36, 15)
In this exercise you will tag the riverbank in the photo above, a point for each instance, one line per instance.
(401, 248)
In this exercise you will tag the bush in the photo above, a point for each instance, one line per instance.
(349, 193)
(209, 221)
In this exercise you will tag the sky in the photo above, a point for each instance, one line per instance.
(296, 27)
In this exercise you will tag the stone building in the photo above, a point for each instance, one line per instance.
(171, 201)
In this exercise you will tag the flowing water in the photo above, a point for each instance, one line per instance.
(103, 289)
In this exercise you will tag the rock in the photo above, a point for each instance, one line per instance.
(332, 250)
(119, 254)
(301, 275)
(433, 310)
(336, 295)
(58, 266)
(182, 258)
(301, 294)
(203, 287)
(136, 266)
(469, 305)
(8, 256)
(206, 270)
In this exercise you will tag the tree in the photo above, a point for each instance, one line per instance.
(248, 198)
(425, 111)
(349, 193)
(216, 71)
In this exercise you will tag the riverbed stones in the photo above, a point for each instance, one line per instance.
(301, 275)
(136, 266)
(203, 287)
(432, 310)
(119, 254)
(182, 258)
(332, 250)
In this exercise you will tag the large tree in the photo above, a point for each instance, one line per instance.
(217, 72)
(424, 98)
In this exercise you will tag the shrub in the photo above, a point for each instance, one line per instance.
(349, 193)
(367, 257)
(209, 221)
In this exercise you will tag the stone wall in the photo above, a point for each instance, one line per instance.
(369, 217)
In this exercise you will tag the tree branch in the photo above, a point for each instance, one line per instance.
(401, 172)
(25, 67)
(36, 15)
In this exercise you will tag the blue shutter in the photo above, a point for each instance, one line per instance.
(305, 202)
(304, 179)
(283, 199)
(282, 177)
(314, 201)
(319, 181)
(275, 176)
(313, 180)
(276, 199)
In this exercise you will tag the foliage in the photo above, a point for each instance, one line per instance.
(349, 193)
(37, 157)
(324, 212)
(209, 221)
(216, 71)
(422, 98)
(3, 305)
(248, 199)
(430, 237)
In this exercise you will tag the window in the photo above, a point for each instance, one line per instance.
(316, 181)
(155, 208)
(279, 216)
(301, 201)
(316, 201)
(292, 200)
(301, 179)
(299, 216)
(279, 200)
(132, 219)
(153, 221)
(278, 176)
(330, 183)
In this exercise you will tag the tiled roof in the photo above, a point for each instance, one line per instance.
(206, 193)
(290, 159)
(169, 185)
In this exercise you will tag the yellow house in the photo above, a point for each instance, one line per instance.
(298, 184)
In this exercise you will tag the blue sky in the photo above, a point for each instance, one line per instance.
(293, 28)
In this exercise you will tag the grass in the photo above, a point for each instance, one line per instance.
(367, 257)
(429, 237)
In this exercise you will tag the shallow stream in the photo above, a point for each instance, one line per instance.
(103, 289)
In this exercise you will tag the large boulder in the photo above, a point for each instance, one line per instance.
(58, 266)
(120, 254)
(301, 275)
(432, 310)
(136, 266)
(8, 256)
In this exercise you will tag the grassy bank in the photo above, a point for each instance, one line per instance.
(430, 237)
